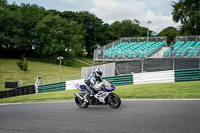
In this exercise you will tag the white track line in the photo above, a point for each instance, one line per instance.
(122, 100)
(36, 103)
(160, 99)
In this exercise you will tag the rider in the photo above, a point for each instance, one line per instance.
(92, 79)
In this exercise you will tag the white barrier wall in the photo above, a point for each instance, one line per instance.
(138, 78)
(108, 70)
(70, 84)
(154, 77)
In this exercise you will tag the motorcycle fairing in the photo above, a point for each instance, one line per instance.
(102, 95)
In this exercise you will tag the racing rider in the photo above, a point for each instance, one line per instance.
(91, 80)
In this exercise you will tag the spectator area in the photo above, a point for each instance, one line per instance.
(133, 50)
(182, 49)
(137, 48)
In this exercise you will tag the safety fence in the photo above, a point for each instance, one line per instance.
(188, 38)
(70, 85)
(187, 74)
(120, 79)
(134, 78)
(154, 77)
(24, 90)
(152, 65)
(60, 86)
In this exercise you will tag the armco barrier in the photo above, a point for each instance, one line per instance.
(70, 85)
(154, 77)
(60, 86)
(187, 74)
(24, 90)
(121, 79)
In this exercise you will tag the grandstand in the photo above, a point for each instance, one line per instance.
(139, 48)
(130, 49)
(139, 54)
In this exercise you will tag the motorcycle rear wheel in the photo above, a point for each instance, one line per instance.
(114, 101)
(80, 103)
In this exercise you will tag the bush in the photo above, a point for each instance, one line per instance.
(23, 64)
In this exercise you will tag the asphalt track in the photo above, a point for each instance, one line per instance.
(134, 116)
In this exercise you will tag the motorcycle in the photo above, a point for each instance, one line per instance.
(103, 96)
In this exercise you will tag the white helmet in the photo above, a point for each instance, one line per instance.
(98, 72)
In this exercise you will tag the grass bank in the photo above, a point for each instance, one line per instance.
(161, 91)
(178, 90)
(10, 72)
(90, 60)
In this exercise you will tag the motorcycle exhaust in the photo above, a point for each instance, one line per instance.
(76, 94)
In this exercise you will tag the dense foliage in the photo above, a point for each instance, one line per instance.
(171, 34)
(188, 13)
(31, 31)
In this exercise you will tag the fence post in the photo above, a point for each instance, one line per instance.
(103, 52)
(199, 60)
(174, 63)
(142, 65)
(94, 57)
(196, 39)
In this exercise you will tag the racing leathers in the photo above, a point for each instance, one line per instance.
(90, 81)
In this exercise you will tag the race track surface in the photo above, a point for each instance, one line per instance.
(134, 116)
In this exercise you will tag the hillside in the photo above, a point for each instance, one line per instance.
(50, 73)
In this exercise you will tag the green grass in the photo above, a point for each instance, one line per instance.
(10, 72)
(66, 61)
(73, 63)
(90, 60)
(41, 97)
(178, 90)
(163, 90)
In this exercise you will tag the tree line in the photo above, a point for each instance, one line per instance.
(187, 12)
(32, 31)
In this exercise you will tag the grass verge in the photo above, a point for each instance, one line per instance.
(90, 60)
(41, 97)
(175, 90)
(178, 90)
(50, 73)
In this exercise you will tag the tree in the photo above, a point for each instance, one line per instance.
(171, 33)
(106, 35)
(57, 35)
(31, 15)
(3, 3)
(16, 29)
(188, 13)
(10, 30)
(91, 28)
(128, 28)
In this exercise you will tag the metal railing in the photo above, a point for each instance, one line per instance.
(195, 38)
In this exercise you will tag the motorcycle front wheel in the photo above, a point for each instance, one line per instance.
(80, 103)
(114, 101)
